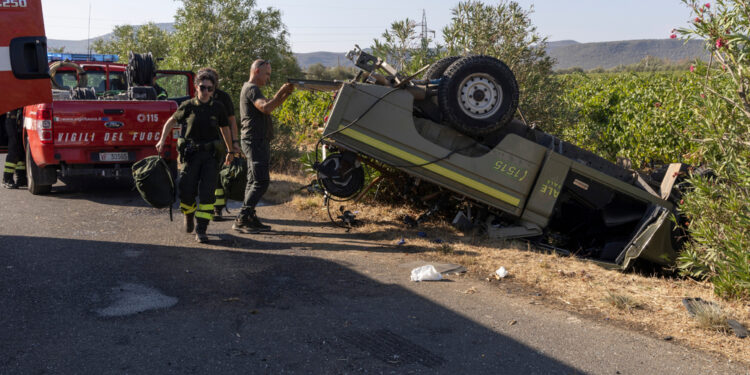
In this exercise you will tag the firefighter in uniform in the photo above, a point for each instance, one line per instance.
(204, 124)
(14, 161)
(225, 99)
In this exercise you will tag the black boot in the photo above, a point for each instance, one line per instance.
(200, 230)
(218, 210)
(189, 222)
(243, 224)
(8, 181)
(21, 179)
(258, 225)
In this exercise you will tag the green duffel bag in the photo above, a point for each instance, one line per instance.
(234, 179)
(153, 179)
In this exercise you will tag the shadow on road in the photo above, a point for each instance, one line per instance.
(236, 312)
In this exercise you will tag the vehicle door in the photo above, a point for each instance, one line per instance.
(177, 83)
(24, 74)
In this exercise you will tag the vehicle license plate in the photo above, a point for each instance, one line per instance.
(113, 156)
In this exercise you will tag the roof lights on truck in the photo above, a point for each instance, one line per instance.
(81, 57)
(44, 125)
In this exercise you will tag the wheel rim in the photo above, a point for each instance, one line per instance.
(480, 96)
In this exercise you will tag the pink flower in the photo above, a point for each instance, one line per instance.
(721, 43)
(707, 5)
(673, 36)
(703, 96)
(692, 68)
(657, 104)
(697, 20)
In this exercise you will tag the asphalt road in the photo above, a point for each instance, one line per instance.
(92, 281)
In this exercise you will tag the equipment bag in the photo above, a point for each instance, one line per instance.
(234, 179)
(154, 181)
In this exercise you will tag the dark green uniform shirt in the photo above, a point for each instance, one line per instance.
(225, 99)
(201, 121)
(256, 125)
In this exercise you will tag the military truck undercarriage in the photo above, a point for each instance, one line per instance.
(455, 128)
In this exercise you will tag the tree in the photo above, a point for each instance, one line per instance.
(229, 35)
(505, 31)
(139, 39)
(320, 71)
(397, 44)
(404, 48)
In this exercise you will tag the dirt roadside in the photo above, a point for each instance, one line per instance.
(651, 304)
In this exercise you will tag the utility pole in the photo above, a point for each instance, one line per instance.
(424, 35)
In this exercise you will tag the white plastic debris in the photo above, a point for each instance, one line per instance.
(501, 272)
(425, 273)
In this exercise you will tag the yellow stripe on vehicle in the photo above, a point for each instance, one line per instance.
(401, 154)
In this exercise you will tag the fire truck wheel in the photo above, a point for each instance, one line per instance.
(478, 95)
(33, 175)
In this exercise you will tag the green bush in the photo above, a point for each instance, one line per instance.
(641, 116)
(719, 207)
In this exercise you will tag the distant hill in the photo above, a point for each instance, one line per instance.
(81, 46)
(610, 54)
(325, 58)
(568, 53)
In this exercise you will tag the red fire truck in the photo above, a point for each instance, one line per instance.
(93, 118)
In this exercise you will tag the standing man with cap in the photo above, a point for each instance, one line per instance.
(257, 132)
(204, 123)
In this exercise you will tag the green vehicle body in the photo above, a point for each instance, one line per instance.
(545, 185)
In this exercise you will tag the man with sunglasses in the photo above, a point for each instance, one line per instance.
(204, 123)
(257, 132)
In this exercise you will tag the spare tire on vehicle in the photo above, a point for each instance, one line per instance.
(141, 69)
(436, 70)
(478, 95)
(341, 174)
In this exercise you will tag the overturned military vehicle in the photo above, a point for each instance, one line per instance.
(454, 127)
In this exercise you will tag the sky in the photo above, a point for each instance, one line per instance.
(336, 25)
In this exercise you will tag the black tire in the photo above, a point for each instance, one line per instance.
(478, 95)
(436, 70)
(141, 69)
(33, 175)
(343, 176)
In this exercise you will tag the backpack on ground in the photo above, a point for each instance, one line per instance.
(154, 181)
(234, 179)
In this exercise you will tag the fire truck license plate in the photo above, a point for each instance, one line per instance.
(113, 156)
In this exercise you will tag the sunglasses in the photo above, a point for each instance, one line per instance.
(206, 88)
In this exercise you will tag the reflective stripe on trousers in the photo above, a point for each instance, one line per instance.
(205, 211)
(220, 200)
(187, 209)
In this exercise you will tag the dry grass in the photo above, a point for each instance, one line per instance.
(621, 301)
(651, 304)
(711, 317)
